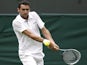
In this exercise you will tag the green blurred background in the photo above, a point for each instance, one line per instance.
(68, 31)
(65, 19)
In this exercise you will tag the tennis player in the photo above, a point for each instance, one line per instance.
(26, 26)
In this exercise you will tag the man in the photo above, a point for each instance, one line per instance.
(26, 26)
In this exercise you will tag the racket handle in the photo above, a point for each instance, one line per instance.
(62, 49)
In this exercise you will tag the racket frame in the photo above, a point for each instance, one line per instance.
(79, 54)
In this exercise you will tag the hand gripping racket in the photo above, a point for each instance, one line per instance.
(71, 56)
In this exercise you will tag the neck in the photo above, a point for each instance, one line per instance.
(25, 17)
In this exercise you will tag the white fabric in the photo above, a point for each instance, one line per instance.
(28, 46)
(29, 60)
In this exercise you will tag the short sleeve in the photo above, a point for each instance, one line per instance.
(39, 20)
(18, 26)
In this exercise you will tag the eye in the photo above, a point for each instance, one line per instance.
(25, 9)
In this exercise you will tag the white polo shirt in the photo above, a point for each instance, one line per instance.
(26, 44)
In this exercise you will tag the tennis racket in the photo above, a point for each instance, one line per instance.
(70, 56)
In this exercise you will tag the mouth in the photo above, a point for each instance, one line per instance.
(25, 16)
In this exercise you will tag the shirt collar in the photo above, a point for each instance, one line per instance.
(20, 18)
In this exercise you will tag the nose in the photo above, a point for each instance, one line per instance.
(26, 11)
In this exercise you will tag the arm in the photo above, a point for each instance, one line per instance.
(48, 36)
(33, 36)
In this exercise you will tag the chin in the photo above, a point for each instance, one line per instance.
(25, 17)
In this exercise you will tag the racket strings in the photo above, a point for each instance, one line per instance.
(70, 56)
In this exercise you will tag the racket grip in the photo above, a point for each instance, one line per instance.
(62, 49)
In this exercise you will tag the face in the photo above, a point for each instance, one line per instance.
(24, 10)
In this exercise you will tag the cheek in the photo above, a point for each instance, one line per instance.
(21, 12)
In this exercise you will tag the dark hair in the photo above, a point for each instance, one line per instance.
(24, 2)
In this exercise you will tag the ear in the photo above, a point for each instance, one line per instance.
(18, 9)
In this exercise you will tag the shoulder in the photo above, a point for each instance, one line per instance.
(34, 13)
(16, 21)
(16, 18)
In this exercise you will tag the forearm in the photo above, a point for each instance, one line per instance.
(37, 38)
(33, 36)
(47, 34)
